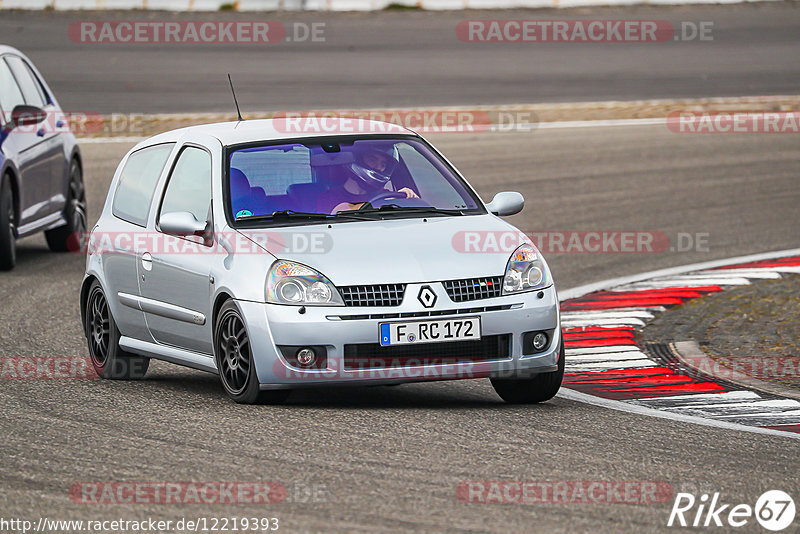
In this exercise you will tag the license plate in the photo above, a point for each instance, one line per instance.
(437, 331)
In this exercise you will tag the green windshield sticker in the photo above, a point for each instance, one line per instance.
(244, 213)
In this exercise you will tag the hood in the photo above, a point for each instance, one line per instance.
(397, 250)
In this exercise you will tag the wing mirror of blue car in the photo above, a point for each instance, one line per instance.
(506, 203)
(181, 223)
(23, 115)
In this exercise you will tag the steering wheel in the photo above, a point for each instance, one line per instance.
(387, 195)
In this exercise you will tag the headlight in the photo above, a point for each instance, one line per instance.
(294, 283)
(525, 271)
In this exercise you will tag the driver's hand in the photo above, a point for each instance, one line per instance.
(347, 206)
(409, 192)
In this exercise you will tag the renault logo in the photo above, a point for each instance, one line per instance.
(427, 297)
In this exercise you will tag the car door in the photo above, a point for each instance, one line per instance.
(30, 151)
(49, 132)
(175, 276)
(122, 235)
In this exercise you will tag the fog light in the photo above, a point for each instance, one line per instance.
(539, 341)
(306, 357)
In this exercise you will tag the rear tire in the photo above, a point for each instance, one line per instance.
(234, 357)
(108, 358)
(538, 388)
(8, 240)
(68, 237)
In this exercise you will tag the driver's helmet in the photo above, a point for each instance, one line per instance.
(374, 164)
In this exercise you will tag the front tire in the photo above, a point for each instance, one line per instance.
(108, 358)
(8, 240)
(68, 237)
(538, 388)
(234, 358)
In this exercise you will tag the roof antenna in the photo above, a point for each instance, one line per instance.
(239, 113)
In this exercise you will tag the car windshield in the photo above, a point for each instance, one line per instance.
(344, 179)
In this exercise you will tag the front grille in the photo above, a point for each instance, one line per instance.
(377, 295)
(375, 356)
(404, 315)
(474, 288)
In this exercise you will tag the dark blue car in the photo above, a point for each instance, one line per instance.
(40, 163)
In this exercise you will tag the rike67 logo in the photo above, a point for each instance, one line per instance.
(774, 510)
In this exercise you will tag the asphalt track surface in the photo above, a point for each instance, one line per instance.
(408, 59)
(390, 458)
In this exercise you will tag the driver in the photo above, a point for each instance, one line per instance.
(367, 178)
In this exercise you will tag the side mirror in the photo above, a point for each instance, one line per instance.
(23, 115)
(506, 203)
(181, 223)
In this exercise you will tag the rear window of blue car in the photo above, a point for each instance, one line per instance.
(137, 182)
(10, 93)
(28, 82)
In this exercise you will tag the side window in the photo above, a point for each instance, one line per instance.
(189, 185)
(31, 89)
(137, 182)
(10, 93)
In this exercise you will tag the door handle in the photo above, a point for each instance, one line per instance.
(147, 261)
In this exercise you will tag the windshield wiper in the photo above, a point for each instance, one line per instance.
(301, 215)
(394, 208)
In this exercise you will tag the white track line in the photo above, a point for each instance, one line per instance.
(780, 404)
(608, 323)
(608, 357)
(778, 269)
(604, 349)
(743, 409)
(580, 291)
(577, 396)
(763, 274)
(599, 123)
(685, 283)
(614, 313)
(611, 366)
(728, 396)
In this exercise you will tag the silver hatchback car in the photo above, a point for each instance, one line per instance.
(341, 253)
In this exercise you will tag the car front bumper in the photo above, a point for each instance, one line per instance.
(271, 326)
